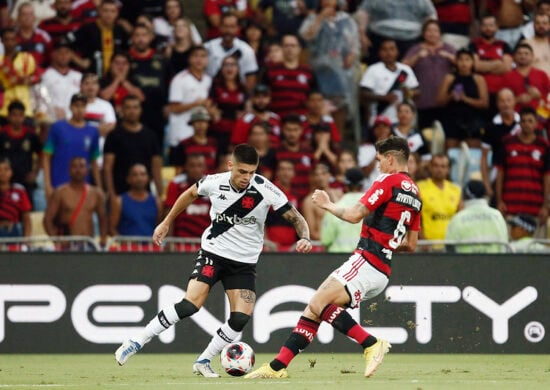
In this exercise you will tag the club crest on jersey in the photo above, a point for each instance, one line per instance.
(247, 202)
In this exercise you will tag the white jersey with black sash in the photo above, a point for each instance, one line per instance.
(238, 217)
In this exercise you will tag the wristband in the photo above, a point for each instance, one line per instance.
(305, 238)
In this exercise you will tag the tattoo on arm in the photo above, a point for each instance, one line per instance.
(248, 296)
(295, 218)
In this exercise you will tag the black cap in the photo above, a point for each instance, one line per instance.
(62, 42)
(353, 176)
(525, 221)
(474, 189)
(261, 89)
(79, 97)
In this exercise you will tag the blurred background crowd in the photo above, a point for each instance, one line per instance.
(111, 109)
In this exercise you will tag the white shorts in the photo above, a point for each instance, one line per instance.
(361, 280)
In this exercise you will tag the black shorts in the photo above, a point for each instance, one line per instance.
(234, 275)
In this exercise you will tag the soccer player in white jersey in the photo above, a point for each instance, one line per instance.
(230, 247)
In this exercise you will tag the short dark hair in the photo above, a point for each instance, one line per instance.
(196, 48)
(292, 118)
(523, 45)
(394, 144)
(130, 97)
(5, 160)
(528, 110)
(246, 154)
(16, 105)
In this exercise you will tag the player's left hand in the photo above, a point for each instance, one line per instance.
(303, 246)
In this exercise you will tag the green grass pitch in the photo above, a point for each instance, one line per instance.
(308, 371)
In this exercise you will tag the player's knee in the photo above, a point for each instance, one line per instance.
(185, 308)
(238, 320)
(316, 306)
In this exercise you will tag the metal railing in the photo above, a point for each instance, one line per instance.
(45, 243)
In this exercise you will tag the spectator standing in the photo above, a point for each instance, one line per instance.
(99, 112)
(540, 42)
(523, 163)
(15, 207)
(152, 74)
(188, 89)
(366, 155)
(254, 35)
(289, 80)
(399, 20)
(259, 139)
(509, 15)
(346, 159)
(464, 96)
(504, 123)
(86, 10)
(97, 41)
(30, 38)
(338, 237)
(16, 80)
(387, 83)
(440, 199)
(199, 143)
(42, 9)
(136, 212)
(277, 229)
(118, 82)
(22, 147)
(492, 58)
(165, 25)
(62, 24)
(72, 206)
(530, 85)
(260, 99)
(131, 143)
(291, 149)
(333, 44)
(319, 180)
(287, 16)
(228, 93)
(228, 44)
(477, 221)
(215, 10)
(406, 128)
(66, 140)
(431, 60)
(456, 18)
(192, 221)
(60, 80)
(542, 7)
(178, 51)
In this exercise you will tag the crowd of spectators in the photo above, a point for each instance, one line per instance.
(99, 97)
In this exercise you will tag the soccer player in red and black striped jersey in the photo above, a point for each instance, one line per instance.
(523, 163)
(390, 211)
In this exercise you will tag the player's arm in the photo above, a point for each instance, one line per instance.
(353, 214)
(302, 229)
(409, 242)
(184, 200)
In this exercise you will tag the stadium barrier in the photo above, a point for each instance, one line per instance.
(43, 243)
(56, 302)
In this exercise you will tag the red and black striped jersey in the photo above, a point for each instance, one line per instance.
(57, 30)
(190, 146)
(245, 123)
(13, 203)
(303, 164)
(230, 103)
(192, 221)
(524, 166)
(394, 204)
(289, 88)
(39, 45)
(491, 51)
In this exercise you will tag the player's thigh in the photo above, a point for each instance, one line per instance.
(239, 282)
(331, 291)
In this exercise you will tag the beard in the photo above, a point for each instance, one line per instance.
(259, 108)
(487, 36)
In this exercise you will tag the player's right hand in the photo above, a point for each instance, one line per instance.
(160, 232)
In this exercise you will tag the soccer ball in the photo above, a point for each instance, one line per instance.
(237, 358)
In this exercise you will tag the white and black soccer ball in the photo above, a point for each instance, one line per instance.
(237, 358)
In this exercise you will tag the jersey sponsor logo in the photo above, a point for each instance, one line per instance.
(247, 202)
(235, 219)
(409, 200)
(375, 196)
(335, 314)
(306, 333)
(224, 187)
